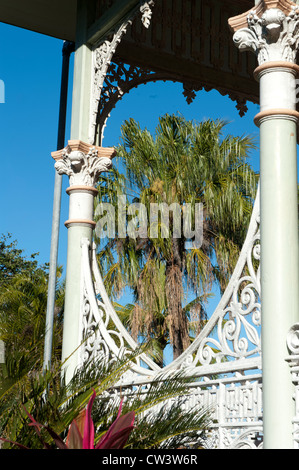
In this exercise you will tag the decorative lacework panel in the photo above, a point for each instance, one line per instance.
(224, 359)
(103, 335)
(232, 335)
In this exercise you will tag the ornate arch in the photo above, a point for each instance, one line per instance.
(225, 359)
(103, 52)
(113, 77)
(121, 78)
(230, 341)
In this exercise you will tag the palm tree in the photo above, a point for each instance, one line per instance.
(195, 167)
(23, 302)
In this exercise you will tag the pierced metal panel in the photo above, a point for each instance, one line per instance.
(224, 359)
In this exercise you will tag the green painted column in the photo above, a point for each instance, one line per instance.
(279, 274)
(78, 229)
(72, 325)
(82, 80)
(82, 163)
(272, 34)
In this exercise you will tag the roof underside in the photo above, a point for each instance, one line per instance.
(187, 41)
(55, 18)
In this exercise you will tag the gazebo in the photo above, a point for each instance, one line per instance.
(245, 360)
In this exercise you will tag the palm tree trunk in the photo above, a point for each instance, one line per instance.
(178, 324)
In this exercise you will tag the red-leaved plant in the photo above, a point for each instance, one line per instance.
(81, 431)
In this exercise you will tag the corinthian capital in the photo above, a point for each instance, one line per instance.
(271, 30)
(82, 162)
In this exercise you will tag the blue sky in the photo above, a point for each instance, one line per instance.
(30, 67)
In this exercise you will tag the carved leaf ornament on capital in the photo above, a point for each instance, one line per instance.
(270, 30)
(82, 163)
(229, 345)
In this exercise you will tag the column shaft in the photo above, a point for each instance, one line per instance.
(270, 30)
(279, 274)
(83, 164)
(72, 325)
(279, 245)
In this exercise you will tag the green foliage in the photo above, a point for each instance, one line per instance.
(50, 401)
(23, 304)
(12, 260)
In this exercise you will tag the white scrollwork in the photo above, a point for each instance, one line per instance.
(224, 359)
(146, 11)
(273, 36)
(102, 56)
(293, 339)
(251, 439)
(103, 334)
(120, 78)
(233, 331)
(82, 169)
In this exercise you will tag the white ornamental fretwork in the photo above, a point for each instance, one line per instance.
(146, 11)
(99, 338)
(292, 342)
(231, 338)
(102, 57)
(273, 36)
(103, 54)
(120, 78)
(227, 373)
(233, 331)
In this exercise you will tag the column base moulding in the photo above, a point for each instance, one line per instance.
(276, 114)
(279, 64)
(84, 222)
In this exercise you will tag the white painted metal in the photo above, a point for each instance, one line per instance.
(81, 203)
(224, 359)
(103, 52)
